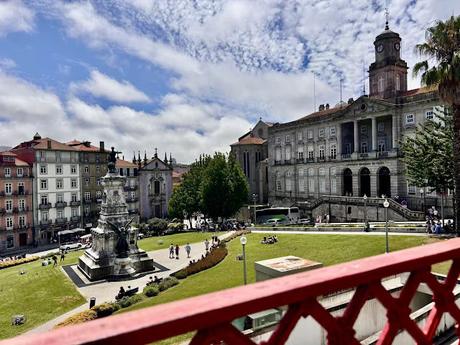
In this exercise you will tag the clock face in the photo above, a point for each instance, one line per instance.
(380, 48)
(397, 46)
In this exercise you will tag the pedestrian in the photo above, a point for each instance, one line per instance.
(188, 249)
(206, 245)
(177, 252)
(62, 256)
(171, 251)
(55, 260)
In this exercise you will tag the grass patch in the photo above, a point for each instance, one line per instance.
(41, 294)
(162, 242)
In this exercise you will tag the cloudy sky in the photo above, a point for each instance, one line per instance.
(186, 76)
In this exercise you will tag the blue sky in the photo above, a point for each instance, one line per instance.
(186, 76)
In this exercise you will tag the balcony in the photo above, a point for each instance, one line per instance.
(321, 159)
(332, 157)
(87, 201)
(44, 206)
(310, 159)
(20, 209)
(287, 161)
(346, 155)
(75, 218)
(211, 315)
(45, 223)
(131, 200)
(61, 220)
(75, 203)
(60, 204)
(130, 188)
(277, 162)
(23, 192)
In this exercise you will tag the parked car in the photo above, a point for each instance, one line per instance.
(306, 221)
(140, 236)
(71, 246)
(272, 222)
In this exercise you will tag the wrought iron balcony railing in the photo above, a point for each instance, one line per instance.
(210, 316)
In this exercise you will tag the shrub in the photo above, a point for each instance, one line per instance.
(105, 309)
(135, 298)
(84, 316)
(182, 274)
(151, 291)
(157, 225)
(11, 263)
(124, 302)
(167, 283)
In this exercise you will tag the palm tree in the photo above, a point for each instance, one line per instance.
(442, 50)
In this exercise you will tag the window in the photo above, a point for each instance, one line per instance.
(87, 196)
(10, 241)
(58, 156)
(278, 185)
(322, 185)
(20, 172)
(43, 184)
(73, 183)
(321, 132)
(321, 151)
(73, 197)
(333, 150)
(87, 211)
(156, 187)
(8, 188)
(9, 223)
(310, 134)
(246, 163)
(278, 140)
(42, 156)
(381, 146)
(21, 204)
(45, 216)
(98, 158)
(59, 197)
(21, 189)
(74, 212)
(333, 185)
(363, 129)
(300, 153)
(311, 153)
(301, 185)
(58, 169)
(59, 214)
(311, 185)
(277, 154)
(73, 169)
(364, 147)
(7, 172)
(299, 136)
(9, 205)
(288, 153)
(288, 138)
(411, 189)
(322, 172)
(86, 169)
(44, 199)
(87, 182)
(381, 84)
(381, 127)
(59, 183)
(98, 169)
(429, 114)
(43, 169)
(22, 221)
(398, 82)
(347, 148)
(98, 194)
(410, 119)
(288, 185)
(98, 181)
(332, 131)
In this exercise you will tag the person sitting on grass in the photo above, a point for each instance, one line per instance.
(121, 293)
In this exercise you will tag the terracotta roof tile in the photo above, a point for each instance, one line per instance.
(42, 144)
(248, 140)
(324, 112)
(420, 90)
(125, 164)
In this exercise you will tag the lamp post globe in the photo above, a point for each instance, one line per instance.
(243, 241)
(366, 225)
(386, 204)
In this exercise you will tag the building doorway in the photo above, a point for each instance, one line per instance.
(22, 239)
(384, 183)
(347, 182)
(364, 182)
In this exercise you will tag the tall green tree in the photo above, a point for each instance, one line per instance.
(442, 47)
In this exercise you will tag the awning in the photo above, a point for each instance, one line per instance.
(71, 231)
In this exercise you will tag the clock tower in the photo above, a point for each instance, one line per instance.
(388, 74)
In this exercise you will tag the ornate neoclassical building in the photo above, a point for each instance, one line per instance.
(352, 149)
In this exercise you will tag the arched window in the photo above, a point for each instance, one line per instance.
(156, 187)
(398, 82)
(381, 84)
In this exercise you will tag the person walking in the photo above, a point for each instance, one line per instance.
(171, 251)
(62, 256)
(55, 260)
(188, 249)
(177, 252)
(206, 245)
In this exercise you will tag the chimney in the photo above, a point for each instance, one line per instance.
(49, 144)
(101, 146)
(327, 106)
(321, 107)
(350, 100)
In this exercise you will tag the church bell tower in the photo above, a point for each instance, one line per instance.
(388, 74)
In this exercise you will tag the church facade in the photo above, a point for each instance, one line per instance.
(353, 148)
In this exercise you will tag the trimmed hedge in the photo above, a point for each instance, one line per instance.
(84, 316)
(105, 309)
(151, 290)
(11, 263)
(167, 283)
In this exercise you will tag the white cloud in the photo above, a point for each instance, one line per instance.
(15, 16)
(101, 85)
(6, 64)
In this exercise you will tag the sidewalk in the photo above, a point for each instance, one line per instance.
(106, 291)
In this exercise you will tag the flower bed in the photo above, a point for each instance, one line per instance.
(11, 263)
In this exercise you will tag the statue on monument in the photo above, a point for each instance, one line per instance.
(122, 247)
(112, 160)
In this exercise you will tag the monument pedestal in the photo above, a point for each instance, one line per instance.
(113, 240)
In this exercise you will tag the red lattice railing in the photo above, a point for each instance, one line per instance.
(211, 315)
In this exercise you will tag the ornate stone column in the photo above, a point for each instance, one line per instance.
(339, 140)
(374, 134)
(394, 129)
(355, 136)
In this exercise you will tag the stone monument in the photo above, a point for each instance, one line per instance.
(114, 253)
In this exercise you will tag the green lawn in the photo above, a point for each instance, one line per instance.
(161, 242)
(328, 249)
(41, 294)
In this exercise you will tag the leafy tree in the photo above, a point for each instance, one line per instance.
(442, 46)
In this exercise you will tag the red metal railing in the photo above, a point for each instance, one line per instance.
(211, 315)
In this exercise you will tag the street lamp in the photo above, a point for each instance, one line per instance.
(422, 192)
(366, 225)
(385, 205)
(254, 198)
(243, 241)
